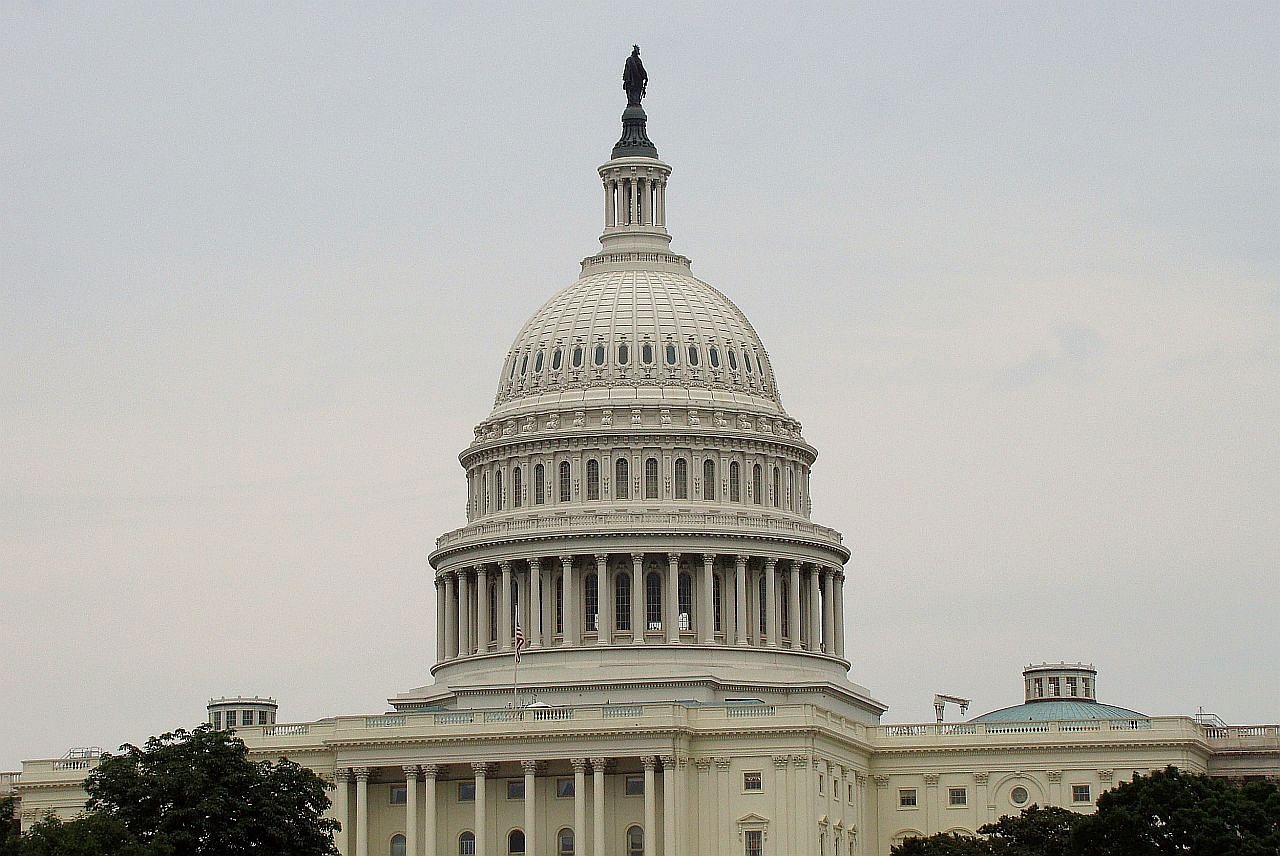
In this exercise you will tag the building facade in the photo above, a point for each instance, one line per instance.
(639, 531)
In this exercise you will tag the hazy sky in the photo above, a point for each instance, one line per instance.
(1017, 266)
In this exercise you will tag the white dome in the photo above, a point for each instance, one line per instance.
(622, 337)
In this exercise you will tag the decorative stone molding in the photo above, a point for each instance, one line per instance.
(481, 768)
(430, 771)
(530, 767)
(780, 762)
(599, 764)
(981, 778)
(1106, 775)
(882, 781)
(579, 764)
(668, 761)
(361, 773)
(649, 762)
(799, 761)
(1054, 776)
(411, 771)
(932, 779)
(342, 775)
(703, 764)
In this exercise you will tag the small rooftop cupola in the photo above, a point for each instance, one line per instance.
(1058, 681)
(635, 183)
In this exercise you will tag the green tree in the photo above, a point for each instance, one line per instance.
(198, 793)
(9, 826)
(942, 844)
(1035, 832)
(87, 835)
(1189, 814)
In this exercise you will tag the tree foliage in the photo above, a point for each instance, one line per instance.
(1035, 832)
(87, 835)
(942, 844)
(9, 827)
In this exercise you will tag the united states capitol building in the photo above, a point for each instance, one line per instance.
(639, 522)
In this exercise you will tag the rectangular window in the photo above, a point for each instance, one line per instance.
(515, 789)
(1071, 687)
(957, 796)
(1053, 686)
(907, 798)
(564, 787)
(1039, 687)
(635, 786)
(466, 791)
(752, 782)
(262, 717)
(851, 793)
(231, 719)
(217, 720)
(821, 786)
(1081, 794)
(755, 842)
(399, 794)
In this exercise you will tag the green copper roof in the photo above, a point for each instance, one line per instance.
(1058, 709)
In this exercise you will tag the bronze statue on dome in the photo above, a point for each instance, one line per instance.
(634, 79)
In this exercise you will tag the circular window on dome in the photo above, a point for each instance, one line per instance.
(576, 360)
(714, 356)
(733, 360)
(623, 354)
(646, 354)
(671, 354)
(598, 356)
(1019, 795)
(693, 355)
(537, 363)
(556, 359)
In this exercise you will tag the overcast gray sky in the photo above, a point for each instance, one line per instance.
(1017, 266)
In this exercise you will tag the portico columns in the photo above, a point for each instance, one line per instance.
(480, 768)
(569, 602)
(772, 632)
(464, 612)
(650, 806)
(411, 809)
(740, 601)
(793, 606)
(530, 808)
(668, 806)
(637, 598)
(429, 771)
(341, 809)
(597, 804)
(839, 609)
(450, 624)
(815, 610)
(706, 615)
(362, 810)
(535, 603)
(673, 598)
(828, 614)
(504, 614)
(482, 608)
(604, 601)
(579, 804)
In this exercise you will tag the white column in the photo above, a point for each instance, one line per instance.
(411, 809)
(672, 611)
(535, 601)
(362, 810)
(580, 806)
(530, 808)
(608, 205)
(597, 804)
(504, 608)
(669, 805)
(740, 601)
(707, 613)
(637, 598)
(661, 218)
(342, 810)
(781, 831)
(450, 627)
(604, 601)
(828, 614)
(931, 803)
(464, 612)
(569, 592)
(793, 605)
(633, 202)
(429, 771)
(650, 806)
(773, 632)
(482, 805)
(482, 608)
(839, 616)
(646, 203)
(815, 610)
(441, 635)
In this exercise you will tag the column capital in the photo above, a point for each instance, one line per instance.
(535, 564)
(530, 767)
(780, 762)
(505, 566)
(481, 768)
(439, 581)
(601, 558)
(566, 561)
(1054, 776)
(598, 764)
(481, 570)
(770, 562)
(637, 557)
(673, 558)
(702, 763)
(798, 566)
(799, 761)
(723, 763)
(649, 762)
(579, 765)
(742, 562)
(668, 762)
(882, 781)
(708, 558)
(361, 773)
(931, 779)
(981, 778)
(412, 771)
(430, 770)
(342, 775)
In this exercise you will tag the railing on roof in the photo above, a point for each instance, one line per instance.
(1236, 732)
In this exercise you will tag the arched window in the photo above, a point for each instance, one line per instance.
(576, 360)
(746, 361)
(733, 360)
(515, 842)
(537, 363)
(398, 845)
(714, 354)
(539, 484)
(624, 354)
(591, 593)
(467, 844)
(693, 355)
(708, 479)
(671, 354)
(651, 478)
(524, 365)
(682, 478)
(784, 605)
(653, 601)
(556, 359)
(559, 603)
(564, 481)
(517, 487)
(717, 603)
(764, 605)
(735, 482)
(513, 368)
(598, 356)
(622, 602)
(791, 497)
(777, 488)
(621, 479)
(635, 841)
(684, 589)
(564, 842)
(593, 479)
(757, 485)
(498, 485)
(646, 353)
(493, 612)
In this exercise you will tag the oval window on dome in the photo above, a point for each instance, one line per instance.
(693, 355)
(746, 360)
(556, 359)
(524, 364)
(598, 356)
(623, 354)
(646, 354)
(577, 357)
(714, 356)
(733, 360)
(537, 363)
(671, 354)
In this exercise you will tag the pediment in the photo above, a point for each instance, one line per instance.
(752, 819)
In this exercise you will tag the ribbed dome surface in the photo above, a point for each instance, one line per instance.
(1046, 711)
(628, 336)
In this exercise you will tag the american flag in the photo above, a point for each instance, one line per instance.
(519, 640)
